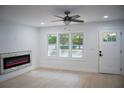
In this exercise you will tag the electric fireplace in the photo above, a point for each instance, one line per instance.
(14, 61)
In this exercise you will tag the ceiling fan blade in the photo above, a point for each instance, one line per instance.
(56, 20)
(75, 16)
(59, 17)
(75, 20)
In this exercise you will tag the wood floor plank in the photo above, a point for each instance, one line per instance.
(53, 78)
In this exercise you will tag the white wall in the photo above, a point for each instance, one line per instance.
(90, 61)
(16, 37)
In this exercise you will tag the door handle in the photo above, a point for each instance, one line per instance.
(100, 53)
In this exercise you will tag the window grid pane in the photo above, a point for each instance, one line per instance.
(77, 45)
(52, 45)
(109, 36)
(64, 45)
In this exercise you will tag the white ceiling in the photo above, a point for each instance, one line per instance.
(34, 15)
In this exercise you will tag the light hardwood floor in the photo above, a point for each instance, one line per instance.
(54, 78)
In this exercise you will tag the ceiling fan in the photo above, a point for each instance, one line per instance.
(68, 19)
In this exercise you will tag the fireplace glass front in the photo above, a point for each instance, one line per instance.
(15, 61)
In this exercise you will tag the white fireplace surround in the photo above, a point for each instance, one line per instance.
(13, 54)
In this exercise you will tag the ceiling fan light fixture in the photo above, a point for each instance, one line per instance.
(67, 22)
(67, 19)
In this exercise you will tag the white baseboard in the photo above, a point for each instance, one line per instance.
(71, 69)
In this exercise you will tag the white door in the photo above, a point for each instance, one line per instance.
(109, 52)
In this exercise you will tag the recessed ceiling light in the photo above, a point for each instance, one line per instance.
(106, 16)
(42, 23)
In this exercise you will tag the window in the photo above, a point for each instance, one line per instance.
(77, 44)
(64, 45)
(109, 36)
(70, 45)
(52, 45)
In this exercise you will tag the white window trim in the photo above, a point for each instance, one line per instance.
(70, 48)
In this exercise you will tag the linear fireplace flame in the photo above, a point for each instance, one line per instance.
(16, 61)
(13, 61)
